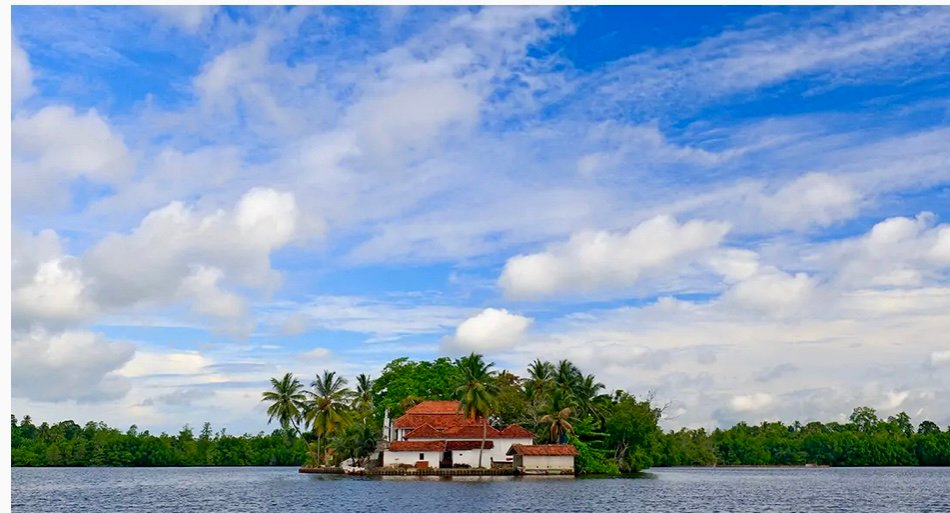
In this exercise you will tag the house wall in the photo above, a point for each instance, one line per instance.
(547, 462)
(391, 458)
(496, 453)
(502, 445)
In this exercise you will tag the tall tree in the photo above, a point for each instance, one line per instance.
(558, 418)
(363, 398)
(540, 380)
(327, 409)
(477, 392)
(586, 391)
(567, 376)
(287, 401)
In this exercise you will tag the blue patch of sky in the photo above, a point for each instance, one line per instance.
(106, 58)
(606, 34)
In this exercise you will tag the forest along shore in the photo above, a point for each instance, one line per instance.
(552, 400)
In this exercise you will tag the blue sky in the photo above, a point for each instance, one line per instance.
(742, 210)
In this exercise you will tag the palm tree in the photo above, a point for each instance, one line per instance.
(540, 379)
(287, 402)
(566, 376)
(559, 418)
(363, 398)
(586, 392)
(477, 392)
(327, 408)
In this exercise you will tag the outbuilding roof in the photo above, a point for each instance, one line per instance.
(543, 450)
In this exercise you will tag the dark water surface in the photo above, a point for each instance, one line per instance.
(255, 489)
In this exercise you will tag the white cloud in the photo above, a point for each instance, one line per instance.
(317, 353)
(48, 286)
(489, 330)
(56, 145)
(72, 365)
(638, 148)
(940, 358)
(768, 52)
(751, 402)
(178, 252)
(22, 75)
(813, 199)
(189, 18)
(772, 291)
(54, 295)
(898, 251)
(152, 363)
(593, 261)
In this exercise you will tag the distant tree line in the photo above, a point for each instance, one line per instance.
(95, 444)
(865, 440)
(328, 422)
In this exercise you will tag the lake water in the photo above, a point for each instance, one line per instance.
(283, 490)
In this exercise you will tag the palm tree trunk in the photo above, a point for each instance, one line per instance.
(319, 450)
(484, 435)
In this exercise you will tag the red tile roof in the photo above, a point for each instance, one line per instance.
(424, 431)
(470, 431)
(467, 445)
(516, 431)
(434, 407)
(427, 446)
(543, 450)
(438, 421)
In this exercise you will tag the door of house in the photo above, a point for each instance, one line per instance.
(446, 460)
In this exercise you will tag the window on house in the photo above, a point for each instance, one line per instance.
(422, 456)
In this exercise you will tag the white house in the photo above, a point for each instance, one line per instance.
(437, 426)
(543, 459)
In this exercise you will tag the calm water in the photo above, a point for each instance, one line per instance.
(283, 490)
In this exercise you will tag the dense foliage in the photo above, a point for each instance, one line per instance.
(865, 440)
(95, 444)
(614, 433)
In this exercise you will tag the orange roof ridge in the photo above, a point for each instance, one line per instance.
(434, 408)
(424, 431)
(516, 431)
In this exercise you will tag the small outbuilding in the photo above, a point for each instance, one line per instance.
(416, 454)
(543, 459)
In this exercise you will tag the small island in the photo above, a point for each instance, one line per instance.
(462, 417)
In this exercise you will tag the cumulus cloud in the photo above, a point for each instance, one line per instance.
(177, 252)
(815, 199)
(592, 261)
(55, 145)
(772, 291)
(48, 286)
(155, 363)
(489, 330)
(751, 402)
(70, 365)
(897, 252)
